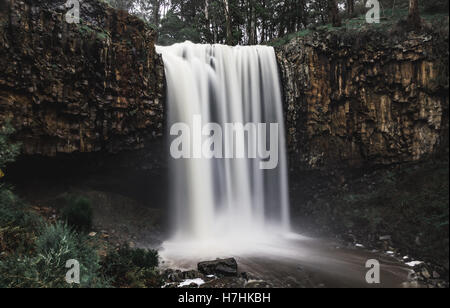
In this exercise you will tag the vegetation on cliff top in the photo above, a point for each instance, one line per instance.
(251, 22)
(393, 20)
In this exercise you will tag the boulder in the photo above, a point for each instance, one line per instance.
(219, 267)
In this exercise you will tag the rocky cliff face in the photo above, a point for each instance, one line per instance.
(96, 86)
(354, 100)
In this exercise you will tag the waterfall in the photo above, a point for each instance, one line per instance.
(225, 198)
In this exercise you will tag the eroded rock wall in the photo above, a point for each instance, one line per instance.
(364, 99)
(96, 86)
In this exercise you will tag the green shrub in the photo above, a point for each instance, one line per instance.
(144, 278)
(78, 213)
(128, 267)
(409, 202)
(18, 271)
(8, 150)
(143, 258)
(17, 225)
(33, 254)
(55, 245)
(14, 212)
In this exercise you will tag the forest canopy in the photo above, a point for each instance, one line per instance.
(249, 22)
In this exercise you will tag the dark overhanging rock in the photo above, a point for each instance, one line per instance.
(86, 100)
(97, 86)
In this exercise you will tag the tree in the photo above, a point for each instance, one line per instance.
(414, 20)
(125, 5)
(148, 10)
(251, 9)
(334, 13)
(318, 11)
(350, 7)
(229, 30)
(156, 6)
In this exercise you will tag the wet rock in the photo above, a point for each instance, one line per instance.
(425, 273)
(417, 241)
(172, 276)
(225, 282)
(350, 238)
(258, 285)
(96, 86)
(411, 285)
(378, 104)
(191, 275)
(176, 276)
(385, 238)
(220, 267)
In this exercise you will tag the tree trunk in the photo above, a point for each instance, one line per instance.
(207, 9)
(263, 24)
(303, 16)
(253, 31)
(209, 36)
(156, 15)
(350, 7)
(334, 13)
(414, 14)
(228, 22)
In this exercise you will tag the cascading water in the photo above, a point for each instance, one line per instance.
(228, 202)
(230, 206)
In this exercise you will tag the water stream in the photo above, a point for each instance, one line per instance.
(228, 173)
(240, 195)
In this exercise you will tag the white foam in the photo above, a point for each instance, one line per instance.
(188, 282)
(414, 263)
